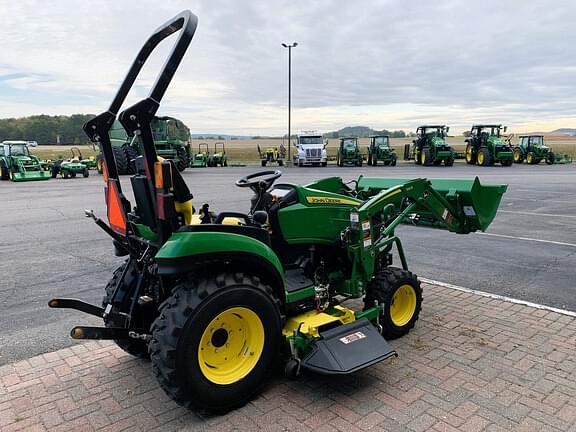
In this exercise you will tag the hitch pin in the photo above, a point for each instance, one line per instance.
(90, 214)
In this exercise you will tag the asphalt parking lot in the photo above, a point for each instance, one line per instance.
(49, 249)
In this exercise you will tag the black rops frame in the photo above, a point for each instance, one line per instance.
(137, 118)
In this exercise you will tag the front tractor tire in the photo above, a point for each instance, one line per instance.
(183, 161)
(400, 294)
(216, 340)
(484, 158)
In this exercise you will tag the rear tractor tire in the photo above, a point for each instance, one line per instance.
(216, 340)
(4, 172)
(426, 157)
(470, 156)
(400, 294)
(131, 155)
(518, 155)
(121, 159)
(183, 160)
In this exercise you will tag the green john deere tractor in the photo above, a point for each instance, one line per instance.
(430, 147)
(486, 146)
(216, 305)
(272, 155)
(531, 148)
(349, 153)
(218, 158)
(379, 150)
(200, 159)
(17, 164)
(171, 137)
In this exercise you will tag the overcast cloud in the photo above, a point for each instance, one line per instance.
(385, 64)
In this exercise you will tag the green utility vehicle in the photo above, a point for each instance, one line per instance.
(200, 159)
(171, 137)
(349, 153)
(69, 168)
(272, 155)
(17, 164)
(486, 146)
(379, 150)
(532, 149)
(430, 147)
(77, 155)
(215, 306)
(219, 156)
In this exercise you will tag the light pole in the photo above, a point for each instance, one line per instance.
(289, 46)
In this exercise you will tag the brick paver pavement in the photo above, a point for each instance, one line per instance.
(471, 364)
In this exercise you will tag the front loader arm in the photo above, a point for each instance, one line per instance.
(460, 206)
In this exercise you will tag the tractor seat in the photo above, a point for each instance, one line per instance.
(249, 231)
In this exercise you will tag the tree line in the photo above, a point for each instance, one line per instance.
(46, 129)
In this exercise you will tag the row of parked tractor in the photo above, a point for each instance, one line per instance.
(18, 164)
(486, 144)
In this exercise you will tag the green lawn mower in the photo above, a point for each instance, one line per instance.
(18, 165)
(486, 146)
(218, 158)
(379, 150)
(200, 159)
(272, 155)
(349, 153)
(430, 147)
(217, 306)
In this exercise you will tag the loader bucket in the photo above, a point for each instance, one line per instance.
(30, 176)
(473, 203)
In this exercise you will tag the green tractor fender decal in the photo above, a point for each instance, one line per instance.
(184, 249)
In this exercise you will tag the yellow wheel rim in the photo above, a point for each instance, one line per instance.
(231, 345)
(403, 305)
(516, 156)
(469, 153)
(481, 158)
(529, 158)
(423, 158)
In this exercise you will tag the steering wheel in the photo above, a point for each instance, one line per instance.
(260, 181)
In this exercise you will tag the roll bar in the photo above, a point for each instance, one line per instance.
(97, 129)
(137, 118)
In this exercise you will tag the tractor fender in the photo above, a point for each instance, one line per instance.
(186, 250)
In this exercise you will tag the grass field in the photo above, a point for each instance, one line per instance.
(245, 151)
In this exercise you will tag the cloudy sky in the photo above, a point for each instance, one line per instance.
(382, 63)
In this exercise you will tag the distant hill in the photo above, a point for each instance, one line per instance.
(363, 132)
(564, 131)
(221, 137)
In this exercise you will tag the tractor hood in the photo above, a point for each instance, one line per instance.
(439, 142)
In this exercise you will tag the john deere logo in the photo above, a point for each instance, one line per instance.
(328, 200)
